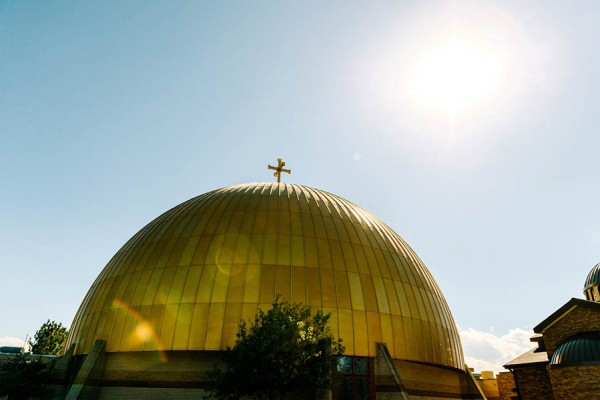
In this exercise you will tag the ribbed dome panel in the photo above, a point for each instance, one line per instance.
(582, 349)
(593, 278)
(186, 280)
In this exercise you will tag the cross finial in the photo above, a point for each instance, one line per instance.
(279, 169)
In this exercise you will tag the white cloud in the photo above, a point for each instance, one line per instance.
(486, 351)
(11, 341)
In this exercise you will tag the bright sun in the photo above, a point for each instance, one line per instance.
(450, 72)
(456, 75)
(442, 83)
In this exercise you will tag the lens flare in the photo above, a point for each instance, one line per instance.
(143, 332)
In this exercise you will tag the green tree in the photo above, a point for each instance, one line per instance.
(49, 339)
(286, 348)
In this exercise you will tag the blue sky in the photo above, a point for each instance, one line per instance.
(113, 112)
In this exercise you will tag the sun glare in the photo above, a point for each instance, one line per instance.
(443, 82)
(456, 75)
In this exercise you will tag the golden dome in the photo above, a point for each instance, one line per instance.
(186, 279)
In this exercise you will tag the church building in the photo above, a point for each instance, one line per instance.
(565, 365)
(170, 301)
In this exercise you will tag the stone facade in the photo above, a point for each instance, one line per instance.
(506, 386)
(533, 383)
(575, 383)
(182, 375)
(488, 385)
(544, 380)
(490, 389)
(580, 319)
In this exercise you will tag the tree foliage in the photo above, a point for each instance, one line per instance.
(286, 348)
(49, 339)
(22, 377)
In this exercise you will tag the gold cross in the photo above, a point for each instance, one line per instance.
(279, 169)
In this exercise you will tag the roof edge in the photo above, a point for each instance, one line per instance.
(562, 311)
(531, 357)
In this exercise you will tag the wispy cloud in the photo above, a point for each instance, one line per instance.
(486, 351)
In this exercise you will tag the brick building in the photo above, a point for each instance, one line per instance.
(566, 362)
(488, 384)
(506, 386)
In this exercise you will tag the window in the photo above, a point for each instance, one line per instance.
(356, 378)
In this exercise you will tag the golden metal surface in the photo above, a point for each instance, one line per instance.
(186, 280)
(279, 169)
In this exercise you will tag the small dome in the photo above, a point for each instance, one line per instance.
(582, 349)
(593, 278)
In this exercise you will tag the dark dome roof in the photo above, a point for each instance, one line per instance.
(593, 278)
(582, 349)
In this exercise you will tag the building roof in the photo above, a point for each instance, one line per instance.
(593, 278)
(531, 357)
(187, 279)
(536, 337)
(564, 310)
(581, 349)
(11, 349)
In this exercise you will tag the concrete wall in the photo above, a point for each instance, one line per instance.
(490, 388)
(172, 369)
(423, 381)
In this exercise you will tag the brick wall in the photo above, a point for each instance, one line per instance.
(135, 393)
(581, 319)
(534, 383)
(388, 396)
(506, 385)
(574, 383)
